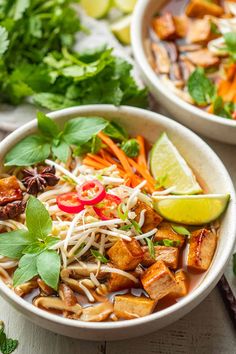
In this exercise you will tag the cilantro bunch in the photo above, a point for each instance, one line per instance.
(37, 60)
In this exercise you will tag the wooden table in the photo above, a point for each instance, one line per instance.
(206, 330)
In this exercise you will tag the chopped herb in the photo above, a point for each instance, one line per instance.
(136, 226)
(222, 109)
(234, 264)
(230, 41)
(69, 180)
(151, 248)
(200, 88)
(168, 243)
(7, 345)
(126, 227)
(215, 29)
(116, 131)
(131, 147)
(180, 230)
(122, 215)
(92, 146)
(99, 256)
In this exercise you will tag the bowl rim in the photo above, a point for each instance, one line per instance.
(197, 293)
(142, 62)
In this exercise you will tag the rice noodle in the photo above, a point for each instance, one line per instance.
(119, 271)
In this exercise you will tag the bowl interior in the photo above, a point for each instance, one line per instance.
(198, 155)
(144, 12)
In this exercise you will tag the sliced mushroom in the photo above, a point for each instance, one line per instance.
(44, 287)
(172, 51)
(186, 69)
(203, 58)
(54, 303)
(162, 58)
(75, 284)
(97, 313)
(176, 75)
(5, 276)
(189, 47)
(26, 288)
(80, 271)
(67, 295)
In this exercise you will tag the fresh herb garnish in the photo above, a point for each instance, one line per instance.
(36, 148)
(214, 29)
(121, 214)
(7, 345)
(131, 147)
(230, 41)
(93, 146)
(116, 131)
(234, 264)
(31, 247)
(99, 256)
(200, 88)
(126, 227)
(151, 248)
(181, 230)
(168, 243)
(160, 182)
(222, 109)
(136, 226)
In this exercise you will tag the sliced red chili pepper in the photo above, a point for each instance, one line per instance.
(108, 210)
(91, 192)
(70, 203)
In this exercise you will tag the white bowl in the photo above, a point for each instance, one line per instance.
(206, 164)
(207, 124)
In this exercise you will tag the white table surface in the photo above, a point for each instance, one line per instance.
(206, 330)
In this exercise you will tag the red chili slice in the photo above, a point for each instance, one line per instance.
(91, 192)
(70, 203)
(105, 212)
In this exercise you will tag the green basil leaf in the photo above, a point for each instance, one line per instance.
(99, 256)
(13, 243)
(47, 126)
(48, 265)
(116, 131)
(151, 248)
(180, 230)
(26, 270)
(31, 150)
(78, 131)
(93, 146)
(38, 220)
(131, 148)
(61, 151)
(200, 88)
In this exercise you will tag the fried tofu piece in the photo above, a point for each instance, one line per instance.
(165, 232)
(164, 26)
(201, 249)
(181, 25)
(199, 31)
(126, 255)
(182, 284)
(203, 58)
(129, 306)
(152, 219)
(158, 281)
(200, 8)
(118, 282)
(9, 190)
(169, 255)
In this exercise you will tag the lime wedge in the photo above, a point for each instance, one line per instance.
(121, 29)
(126, 6)
(191, 209)
(96, 8)
(169, 166)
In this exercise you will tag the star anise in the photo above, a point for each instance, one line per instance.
(37, 179)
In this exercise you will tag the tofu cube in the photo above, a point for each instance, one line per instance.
(181, 25)
(182, 284)
(201, 250)
(164, 26)
(199, 31)
(169, 255)
(9, 190)
(118, 282)
(126, 255)
(152, 219)
(158, 281)
(165, 232)
(129, 306)
(200, 8)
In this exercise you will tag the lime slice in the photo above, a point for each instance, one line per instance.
(96, 8)
(126, 6)
(121, 29)
(169, 166)
(191, 209)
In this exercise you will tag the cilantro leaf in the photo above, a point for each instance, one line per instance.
(131, 147)
(222, 109)
(4, 42)
(27, 269)
(200, 88)
(48, 266)
(116, 131)
(38, 220)
(230, 41)
(7, 345)
(99, 256)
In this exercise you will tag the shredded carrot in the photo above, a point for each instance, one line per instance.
(229, 96)
(92, 163)
(142, 154)
(144, 173)
(231, 72)
(117, 151)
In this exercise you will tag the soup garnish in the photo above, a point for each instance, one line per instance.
(82, 228)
